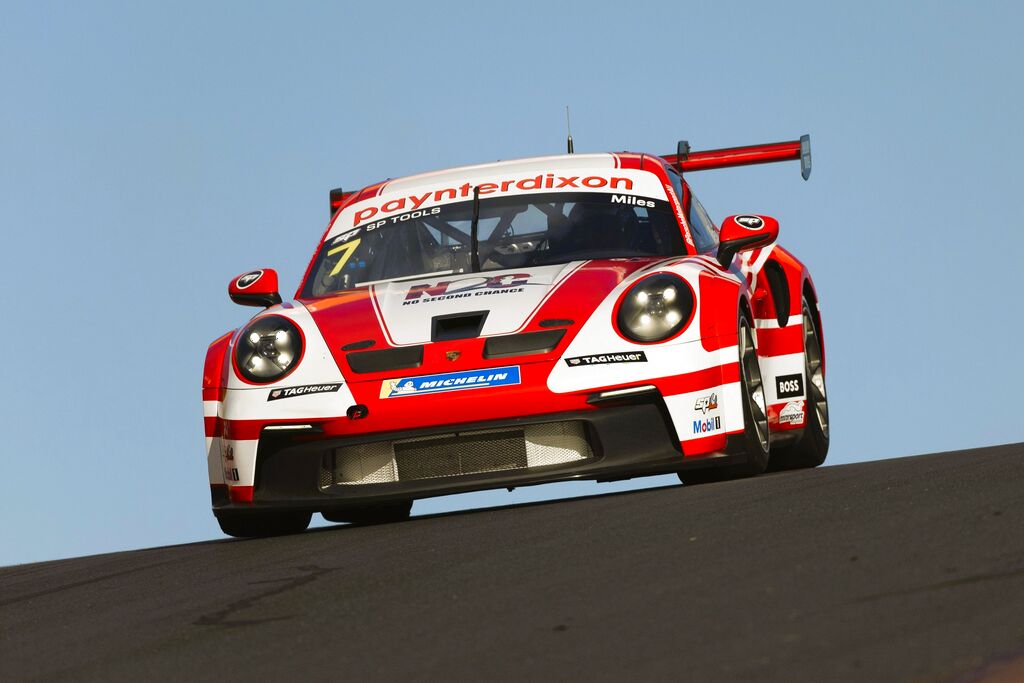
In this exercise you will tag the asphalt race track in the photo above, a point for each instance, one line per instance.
(898, 570)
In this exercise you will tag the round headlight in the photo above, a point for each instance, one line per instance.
(268, 349)
(655, 308)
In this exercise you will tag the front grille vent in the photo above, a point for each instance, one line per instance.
(525, 344)
(385, 360)
(453, 455)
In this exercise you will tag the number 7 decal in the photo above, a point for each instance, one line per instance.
(348, 249)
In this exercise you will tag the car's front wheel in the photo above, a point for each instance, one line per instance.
(811, 449)
(755, 416)
(260, 524)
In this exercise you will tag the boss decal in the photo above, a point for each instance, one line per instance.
(789, 386)
(291, 392)
(750, 222)
(249, 279)
(606, 358)
(450, 381)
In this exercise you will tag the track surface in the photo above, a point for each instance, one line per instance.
(901, 570)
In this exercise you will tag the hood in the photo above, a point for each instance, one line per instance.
(408, 312)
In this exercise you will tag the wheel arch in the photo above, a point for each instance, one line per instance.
(216, 365)
(808, 292)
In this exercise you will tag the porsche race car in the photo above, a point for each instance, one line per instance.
(514, 323)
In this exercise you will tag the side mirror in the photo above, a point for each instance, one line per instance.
(255, 288)
(743, 233)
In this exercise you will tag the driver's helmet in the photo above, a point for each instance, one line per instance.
(599, 226)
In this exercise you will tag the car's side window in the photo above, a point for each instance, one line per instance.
(705, 234)
(698, 216)
(677, 186)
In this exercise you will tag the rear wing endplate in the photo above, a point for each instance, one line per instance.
(687, 161)
(338, 197)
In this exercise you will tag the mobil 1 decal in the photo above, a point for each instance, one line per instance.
(789, 386)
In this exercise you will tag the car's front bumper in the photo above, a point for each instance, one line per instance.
(633, 437)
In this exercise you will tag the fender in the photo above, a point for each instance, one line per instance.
(215, 368)
(214, 383)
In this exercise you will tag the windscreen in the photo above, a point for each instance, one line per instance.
(512, 232)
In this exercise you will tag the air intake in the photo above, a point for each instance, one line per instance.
(457, 326)
(522, 344)
(385, 360)
(458, 454)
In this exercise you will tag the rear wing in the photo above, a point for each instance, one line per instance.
(687, 161)
(338, 197)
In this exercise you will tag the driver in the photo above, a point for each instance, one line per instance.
(594, 226)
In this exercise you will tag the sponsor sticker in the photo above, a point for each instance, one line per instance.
(789, 386)
(450, 381)
(249, 279)
(706, 403)
(231, 474)
(750, 222)
(544, 181)
(792, 412)
(466, 287)
(712, 424)
(606, 358)
(292, 392)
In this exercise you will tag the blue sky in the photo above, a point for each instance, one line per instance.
(150, 153)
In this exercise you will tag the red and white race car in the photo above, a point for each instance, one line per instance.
(521, 322)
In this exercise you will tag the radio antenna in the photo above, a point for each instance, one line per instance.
(568, 127)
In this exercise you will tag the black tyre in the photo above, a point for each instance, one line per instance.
(811, 449)
(755, 445)
(370, 514)
(262, 524)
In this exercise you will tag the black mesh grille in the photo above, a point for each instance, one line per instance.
(451, 456)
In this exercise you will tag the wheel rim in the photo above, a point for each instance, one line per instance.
(815, 372)
(754, 387)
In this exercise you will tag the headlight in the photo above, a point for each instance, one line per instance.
(655, 308)
(268, 349)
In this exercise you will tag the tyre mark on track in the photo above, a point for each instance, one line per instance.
(85, 582)
(965, 580)
(221, 617)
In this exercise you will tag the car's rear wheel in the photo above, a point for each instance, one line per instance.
(811, 449)
(755, 417)
(370, 514)
(259, 524)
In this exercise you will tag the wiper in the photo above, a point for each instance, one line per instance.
(474, 227)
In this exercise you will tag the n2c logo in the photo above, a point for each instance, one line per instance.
(789, 386)
(467, 286)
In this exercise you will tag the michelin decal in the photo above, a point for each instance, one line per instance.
(450, 381)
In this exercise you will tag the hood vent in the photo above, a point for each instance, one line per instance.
(457, 326)
(525, 344)
(385, 360)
